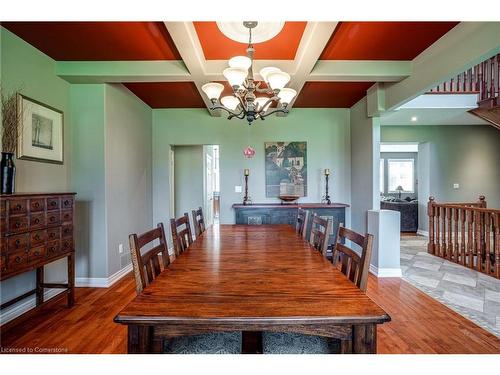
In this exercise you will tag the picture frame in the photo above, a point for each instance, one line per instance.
(41, 131)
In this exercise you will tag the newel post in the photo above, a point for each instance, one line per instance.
(482, 201)
(430, 213)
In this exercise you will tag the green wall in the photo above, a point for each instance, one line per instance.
(188, 182)
(30, 72)
(325, 130)
(468, 155)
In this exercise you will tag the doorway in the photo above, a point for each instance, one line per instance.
(195, 180)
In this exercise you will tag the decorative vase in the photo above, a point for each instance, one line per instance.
(8, 173)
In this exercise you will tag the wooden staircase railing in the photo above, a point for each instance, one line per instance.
(466, 234)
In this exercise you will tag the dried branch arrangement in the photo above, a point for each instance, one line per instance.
(10, 120)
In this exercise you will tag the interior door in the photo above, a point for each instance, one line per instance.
(209, 189)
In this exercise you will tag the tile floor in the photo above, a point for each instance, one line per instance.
(472, 294)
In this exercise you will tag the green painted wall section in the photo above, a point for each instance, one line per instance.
(88, 179)
(325, 130)
(468, 155)
(189, 176)
(29, 71)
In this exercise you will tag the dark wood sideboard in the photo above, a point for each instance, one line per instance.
(37, 229)
(275, 213)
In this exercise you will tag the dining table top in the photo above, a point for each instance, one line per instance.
(244, 274)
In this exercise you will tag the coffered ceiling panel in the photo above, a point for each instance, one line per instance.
(167, 94)
(216, 46)
(383, 40)
(98, 41)
(331, 94)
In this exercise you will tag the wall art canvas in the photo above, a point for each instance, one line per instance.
(41, 132)
(286, 168)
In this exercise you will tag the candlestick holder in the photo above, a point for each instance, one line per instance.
(327, 197)
(246, 198)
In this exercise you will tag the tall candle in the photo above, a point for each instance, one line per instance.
(327, 172)
(247, 172)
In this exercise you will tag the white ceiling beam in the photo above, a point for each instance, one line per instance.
(316, 36)
(186, 40)
(360, 71)
(461, 48)
(122, 71)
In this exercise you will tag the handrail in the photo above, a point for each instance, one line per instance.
(466, 233)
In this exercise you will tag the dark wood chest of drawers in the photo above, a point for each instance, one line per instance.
(36, 229)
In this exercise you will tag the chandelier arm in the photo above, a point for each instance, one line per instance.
(217, 106)
(276, 110)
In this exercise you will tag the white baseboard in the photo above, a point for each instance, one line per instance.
(102, 282)
(385, 272)
(29, 303)
(421, 232)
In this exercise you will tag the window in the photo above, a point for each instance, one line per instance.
(382, 185)
(400, 173)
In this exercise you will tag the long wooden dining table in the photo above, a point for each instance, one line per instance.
(252, 279)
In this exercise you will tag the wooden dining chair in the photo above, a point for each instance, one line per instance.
(198, 221)
(181, 237)
(149, 265)
(301, 224)
(355, 266)
(320, 233)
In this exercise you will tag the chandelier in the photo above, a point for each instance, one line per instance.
(244, 103)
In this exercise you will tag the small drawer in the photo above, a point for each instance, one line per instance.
(36, 254)
(18, 206)
(53, 218)
(3, 245)
(67, 231)
(67, 216)
(3, 225)
(66, 245)
(3, 262)
(53, 203)
(18, 223)
(67, 202)
(38, 237)
(2, 208)
(18, 242)
(37, 204)
(53, 248)
(37, 220)
(53, 234)
(17, 259)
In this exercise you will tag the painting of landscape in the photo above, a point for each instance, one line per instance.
(286, 168)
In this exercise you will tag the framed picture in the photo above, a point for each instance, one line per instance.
(41, 132)
(286, 168)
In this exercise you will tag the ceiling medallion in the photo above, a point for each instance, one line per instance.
(261, 31)
(244, 103)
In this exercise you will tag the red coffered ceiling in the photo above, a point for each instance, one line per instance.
(167, 94)
(216, 46)
(383, 40)
(98, 41)
(331, 94)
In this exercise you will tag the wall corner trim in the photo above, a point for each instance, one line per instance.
(385, 272)
(422, 232)
(102, 282)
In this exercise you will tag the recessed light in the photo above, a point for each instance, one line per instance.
(414, 118)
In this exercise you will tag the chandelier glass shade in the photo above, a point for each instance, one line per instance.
(244, 102)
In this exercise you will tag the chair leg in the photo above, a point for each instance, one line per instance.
(251, 342)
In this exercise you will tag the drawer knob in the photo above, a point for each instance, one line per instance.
(18, 242)
(37, 204)
(37, 221)
(18, 224)
(52, 235)
(37, 237)
(53, 203)
(18, 259)
(37, 253)
(66, 202)
(18, 207)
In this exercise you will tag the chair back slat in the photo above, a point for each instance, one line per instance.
(355, 266)
(147, 265)
(181, 237)
(320, 233)
(198, 221)
(301, 224)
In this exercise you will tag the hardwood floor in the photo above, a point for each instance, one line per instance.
(419, 323)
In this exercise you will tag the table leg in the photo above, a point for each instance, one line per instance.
(251, 342)
(71, 279)
(140, 339)
(364, 339)
(39, 287)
